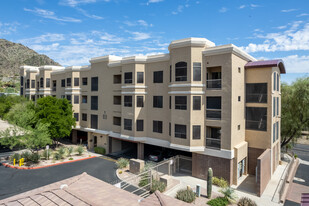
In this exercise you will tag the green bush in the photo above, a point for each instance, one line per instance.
(186, 195)
(70, 150)
(220, 182)
(57, 156)
(61, 152)
(295, 156)
(26, 155)
(71, 158)
(80, 150)
(245, 201)
(99, 150)
(15, 156)
(229, 194)
(157, 185)
(46, 154)
(35, 158)
(145, 180)
(122, 163)
(219, 201)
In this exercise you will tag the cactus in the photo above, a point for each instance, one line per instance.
(209, 183)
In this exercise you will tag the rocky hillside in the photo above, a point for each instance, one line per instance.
(13, 55)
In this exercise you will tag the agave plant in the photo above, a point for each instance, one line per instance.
(229, 194)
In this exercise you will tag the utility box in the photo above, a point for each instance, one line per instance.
(167, 180)
(136, 166)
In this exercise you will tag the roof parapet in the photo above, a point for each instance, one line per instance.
(194, 42)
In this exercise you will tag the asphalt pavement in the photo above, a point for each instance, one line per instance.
(14, 181)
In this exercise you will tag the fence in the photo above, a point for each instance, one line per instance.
(287, 172)
(141, 184)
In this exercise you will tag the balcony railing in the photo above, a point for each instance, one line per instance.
(256, 125)
(213, 143)
(214, 84)
(213, 113)
(256, 98)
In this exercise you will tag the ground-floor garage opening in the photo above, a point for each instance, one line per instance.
(79, 137)
(122, 148)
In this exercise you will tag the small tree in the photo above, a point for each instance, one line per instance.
(58, 114)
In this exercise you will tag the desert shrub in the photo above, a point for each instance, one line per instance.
(61, 152)
(295, 156)
(122, 163)
(186, 195)
(26, 155)
(57, 156)
(35, 157)
(15, 156)
(70, 150)
(245, 201)
(229, 194)
(71, 158)
(46, 154)
(220, 182)
(157, 185)
(99, 150)
(145, 180)
(80, 150)
(219, 201)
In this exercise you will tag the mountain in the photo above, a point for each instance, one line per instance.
(13, 55)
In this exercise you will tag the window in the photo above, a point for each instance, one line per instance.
(76, 116)
(128, 101)
(274, 106)
(158, 101)
(117, 100)
(157, 126)
(196, 71)
(275, 77)
(28, 83)
(256, 118)
(277, 106)
(21, 80)
(48, 82)
(239, 98)
(128, 77)
(117, 79)
(181, 102)
(140, 77)
(213, 137)
(84, 117)
(41, 82)
(85, 81)
(94, 121)
(170, 102)
(54, 85)
(76, 99)
(196, 132)
(239, 69)
(21, 91)
(277, 130)
(256, 93)
(69, 82)
(140, 101)
(170, 73)
(33, 97)
(278, 85)
(181, 71)
(180, 131)
(196, 102)
(158, 77)
(128, 124)
(117, 121)
(104, 115)
(32, 83)
(69, 97)
(94, 102)
(94, 83)
(139, 125)
(76, 82)
(213, 107)
(169, 129)
(274, 132)
(238, 127)
(62, 82)
(84, 99)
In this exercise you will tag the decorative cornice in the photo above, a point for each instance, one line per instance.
(193, 42)
(133, 92)
(187, 92)
(186, 85)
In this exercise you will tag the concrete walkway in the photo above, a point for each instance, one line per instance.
(4, 125)
(247, 189)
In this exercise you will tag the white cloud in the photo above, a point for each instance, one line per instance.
(137, 23)
(50, 37)
(154, 1)
(294, 38)
(74, 3)
(85, 13)
(179, 10)
(242, 6)
(223, 10)
(137, 36)
(281, 27)
(51, 15)
(8, 28)
(296, 64)
(288, 10)
(254, 5)
(51, 47)
(303, 14)
(251, 6)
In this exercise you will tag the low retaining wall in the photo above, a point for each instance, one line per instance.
(263, 171)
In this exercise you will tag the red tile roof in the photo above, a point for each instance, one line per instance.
(267, 63)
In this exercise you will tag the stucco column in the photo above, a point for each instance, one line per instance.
(90, 141)
(140, 150)
(74, 136)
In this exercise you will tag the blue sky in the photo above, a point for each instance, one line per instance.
(73, 31)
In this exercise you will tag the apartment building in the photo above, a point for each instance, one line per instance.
(216, 102)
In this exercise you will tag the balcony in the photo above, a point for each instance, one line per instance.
(54, 89)
(213, 143)
(256, 98)
(214, 114)
(213, 84)
(213, 137)
(256, 125)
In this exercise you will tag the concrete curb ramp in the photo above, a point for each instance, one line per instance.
(40, 167)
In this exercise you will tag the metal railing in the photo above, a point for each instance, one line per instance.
(213, 114)
(256, 125)
(256, 98)
(213, 83)
(213, 143)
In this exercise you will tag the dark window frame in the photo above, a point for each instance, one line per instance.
(128, 101)
(139, 125)
(127, 124)
(139, 101)
(85, 81)
(180, 131)
(157, 102)
(197, 71)
(128, 77)
(76, 81)
(94, 84)
(140, 77)
(94, 103)
(181, 102)
(158, 77)
(197, 102)
(157, 126)
(181, 72)
(196, 131)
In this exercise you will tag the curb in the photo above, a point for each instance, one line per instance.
(40, 167)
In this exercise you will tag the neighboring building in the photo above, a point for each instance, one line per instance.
(216, 102)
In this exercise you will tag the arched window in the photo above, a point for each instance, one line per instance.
(181, 71)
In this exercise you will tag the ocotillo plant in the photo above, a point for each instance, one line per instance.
(209, 183)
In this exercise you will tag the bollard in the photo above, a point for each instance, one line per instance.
(198, 190)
